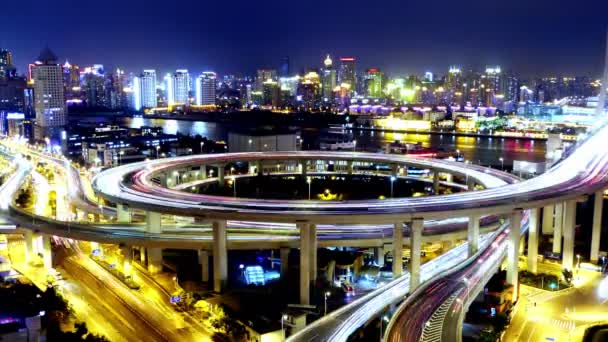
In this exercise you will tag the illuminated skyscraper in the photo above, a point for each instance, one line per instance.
(373, 82)
(348, 73)
(177, 87)
(328, 80)
(49, 96)
(263, 76)
(206, 85)
(147, 83)
(7, 70)
(285, 67)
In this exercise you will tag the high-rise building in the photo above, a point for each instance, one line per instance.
(206, 85)
(284, 69)
(94, 87)
(177, 87)
(348, 72)
(7, 69)
(48, 95)
(491, 85)
(373, 82)
(263, 76)
(309, 92)
(118, 95)
(147, 83)
(328, 80)
(271, 94)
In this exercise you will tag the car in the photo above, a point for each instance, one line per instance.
(348, 289)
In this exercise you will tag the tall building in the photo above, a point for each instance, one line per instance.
(48, 96)
(491, 85)
(309, 92)
(7, 69)
(284, 69)
(206, 85)
(177, 87)
(147, 83)
(271, 94)
(118, 95)
(328, 80)
(373, 82)
(94, 87)
(348, 72)
(263, 76)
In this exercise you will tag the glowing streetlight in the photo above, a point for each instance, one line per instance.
(157, 148)
(502, 163)
(309, 181)
(327, 294)
(393, 178)
(283, 319)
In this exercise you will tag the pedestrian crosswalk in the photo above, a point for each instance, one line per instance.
(564, 325)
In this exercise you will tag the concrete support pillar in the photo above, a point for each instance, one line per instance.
(254, 167)
(123, 214)
(127, 258)
(598, 206)
(153, 222)
(435, 182)
(142, 255)
(568, 233)
(415, 249)
(548, 213)
(304, 263)
(533, 240)
(155, 260)
(304, 164)
(284, 262)
(96, 246)
(379, 255)
(513, 252)
(30, 250)
(350, 167)
(163, 179)
(394, 170)
(202, 173)
(397, 249)
(447, 245)
(220, 175)
(473, 234)
(557, 228)
(203, 259)
(312, 230)
(47, 256)
(220, 256)
(470, 184)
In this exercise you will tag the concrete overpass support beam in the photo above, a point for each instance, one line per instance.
(153, 222)
(254, 167)
(533, 240)
(379, 255)
(312, 230)
(473, 234)
(394, 170)
(155, 260)
(557, 228)
(304, 263)
(350, 167)
(548, 213)
(220, 175)
(470, 184)
(416, 248)
(203, 259)
(96, 246)
(435, 182)
(47, 256)
(598, 206)
(568, 233)
(127, 258)
(220, 256)
(123, 214)
(202, 172)
(142, 255)
(30, 245)
(284, 261)
(397, 249)
(304, 166)
(513, 251)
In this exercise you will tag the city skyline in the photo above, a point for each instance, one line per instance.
(395, 41)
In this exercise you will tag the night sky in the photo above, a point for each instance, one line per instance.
(532, 37)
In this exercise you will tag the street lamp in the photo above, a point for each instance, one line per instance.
(502, 163)
(202, 144)
(578, 261)
(157, 148)
(354, 145)
(234, 185)
(309, 181)
(327, 294)
(383, 318)
(120, 154)
(392, 181)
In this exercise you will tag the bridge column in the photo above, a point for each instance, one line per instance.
(397, 249)
(155, 260)
(473, 234)
(202, 172)
(123, 214)
(304, 164)
(284, 261)
(153, 222)
(203, 259)
(220, 256)
(127, 258)
(435, 182)
(548, 219)
(379, 255)
(568, 232)
(220, 175)
(304, 263)
(415, 250)
(44, 248)
(30, 246)
(96, 246)
(513, 252)
(533, 240)
(312, 231)
(142, 255)
(598, 206)
(254, 167)
(470, 184)
(394, 170)
(350, 166)
(557, 228)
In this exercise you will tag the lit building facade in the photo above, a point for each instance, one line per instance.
(206, 85)
(147, 87)
(177, 87)
(328, 80)
(48, 96)
(348, 72)
(373, 82)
